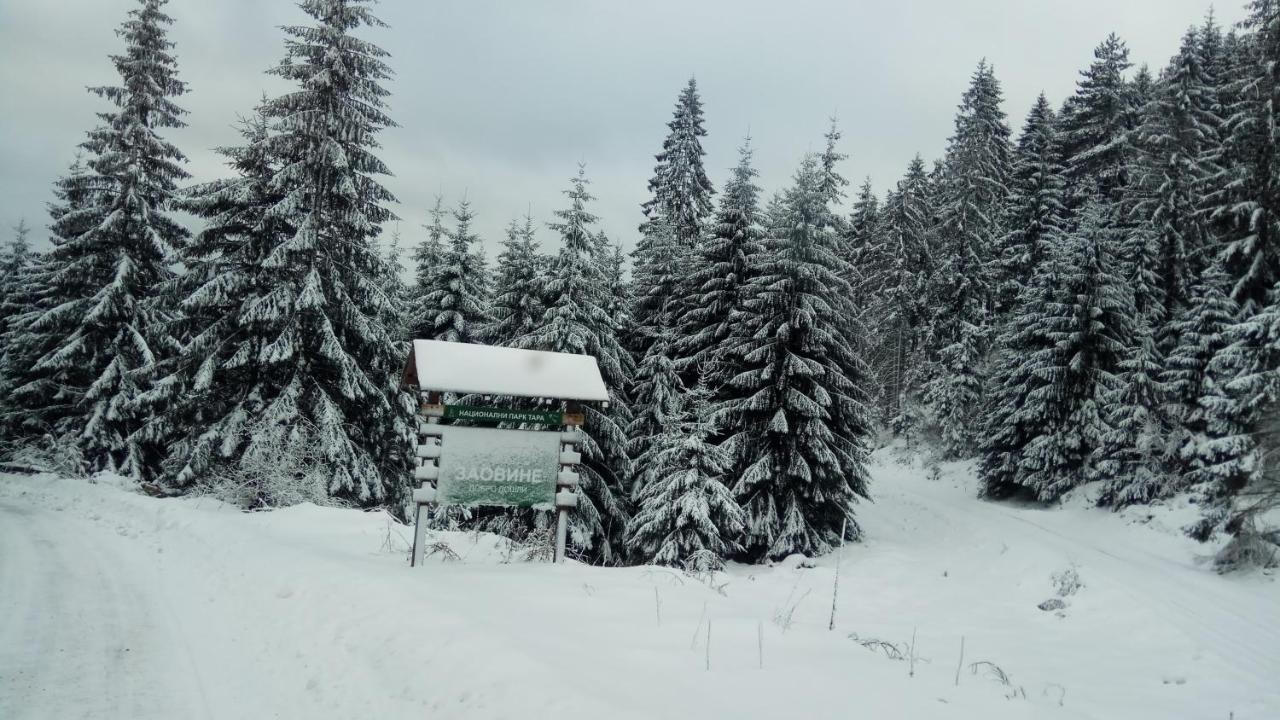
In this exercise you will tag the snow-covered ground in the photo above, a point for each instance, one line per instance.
(116, 605)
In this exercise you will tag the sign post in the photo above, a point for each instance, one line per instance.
(477, 464)
(471, 466)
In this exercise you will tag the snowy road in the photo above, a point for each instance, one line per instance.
(84, 635)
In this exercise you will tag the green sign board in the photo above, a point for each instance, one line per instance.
(483, 414)
(508, 468)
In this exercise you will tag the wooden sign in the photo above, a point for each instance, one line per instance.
(500, 415)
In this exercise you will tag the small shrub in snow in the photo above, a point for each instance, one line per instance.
(1249, 548)
(998, 674)
(277, 469)
(441, 548)
(892, 651)
(57, 455)
(1052, 604)
(1066, 582)
(784, 615)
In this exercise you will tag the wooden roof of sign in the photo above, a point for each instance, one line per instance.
(467, 369)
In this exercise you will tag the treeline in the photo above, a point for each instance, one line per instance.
(1095, 300)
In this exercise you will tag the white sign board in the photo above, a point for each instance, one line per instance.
(508, 468)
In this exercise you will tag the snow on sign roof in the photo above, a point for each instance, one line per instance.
(487, 370)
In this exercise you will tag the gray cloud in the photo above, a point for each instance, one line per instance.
(501, 100)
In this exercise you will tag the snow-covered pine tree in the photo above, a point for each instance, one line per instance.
(1058, 360)
(676, 215)
(724, 267)
(106, 328)
(308, 362)
(798, 425)
(1095, 126)
(1036, 207)
(518, 285)
(685, 516)
(577, 321)
(972, 206)
(456, 309)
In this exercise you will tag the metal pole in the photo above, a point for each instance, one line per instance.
(419, 538)
(562, 533)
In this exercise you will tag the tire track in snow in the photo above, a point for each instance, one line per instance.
(81, 639)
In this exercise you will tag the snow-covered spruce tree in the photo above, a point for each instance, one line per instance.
(1248, 203)
(904, 284)
(656, 401)
(38, 400)
(864, 249)
(518, 285)
(1239, 457)
(15, 265)
(685, 516)
(456, 309)
(203, 384)
(308, 359)
(1133, 460)
(1036, 209)
(1166, 245)
(104, 330)
(577, 321)
(833, 183)
(1057, 364)
(971, 210)
(676, 215)
(615, 277)
(428, 259)
(1198, 334)
(724, 267)
(399, 291)
(1178, 139)
(680, 192)
(797, 423)
(660, 266)
(1095, 126)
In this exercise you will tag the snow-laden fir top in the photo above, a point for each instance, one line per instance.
(487, 370)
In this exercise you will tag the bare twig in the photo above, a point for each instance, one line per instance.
(911, 671)
(835, 589)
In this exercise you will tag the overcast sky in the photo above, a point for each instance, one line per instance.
(501, 100)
